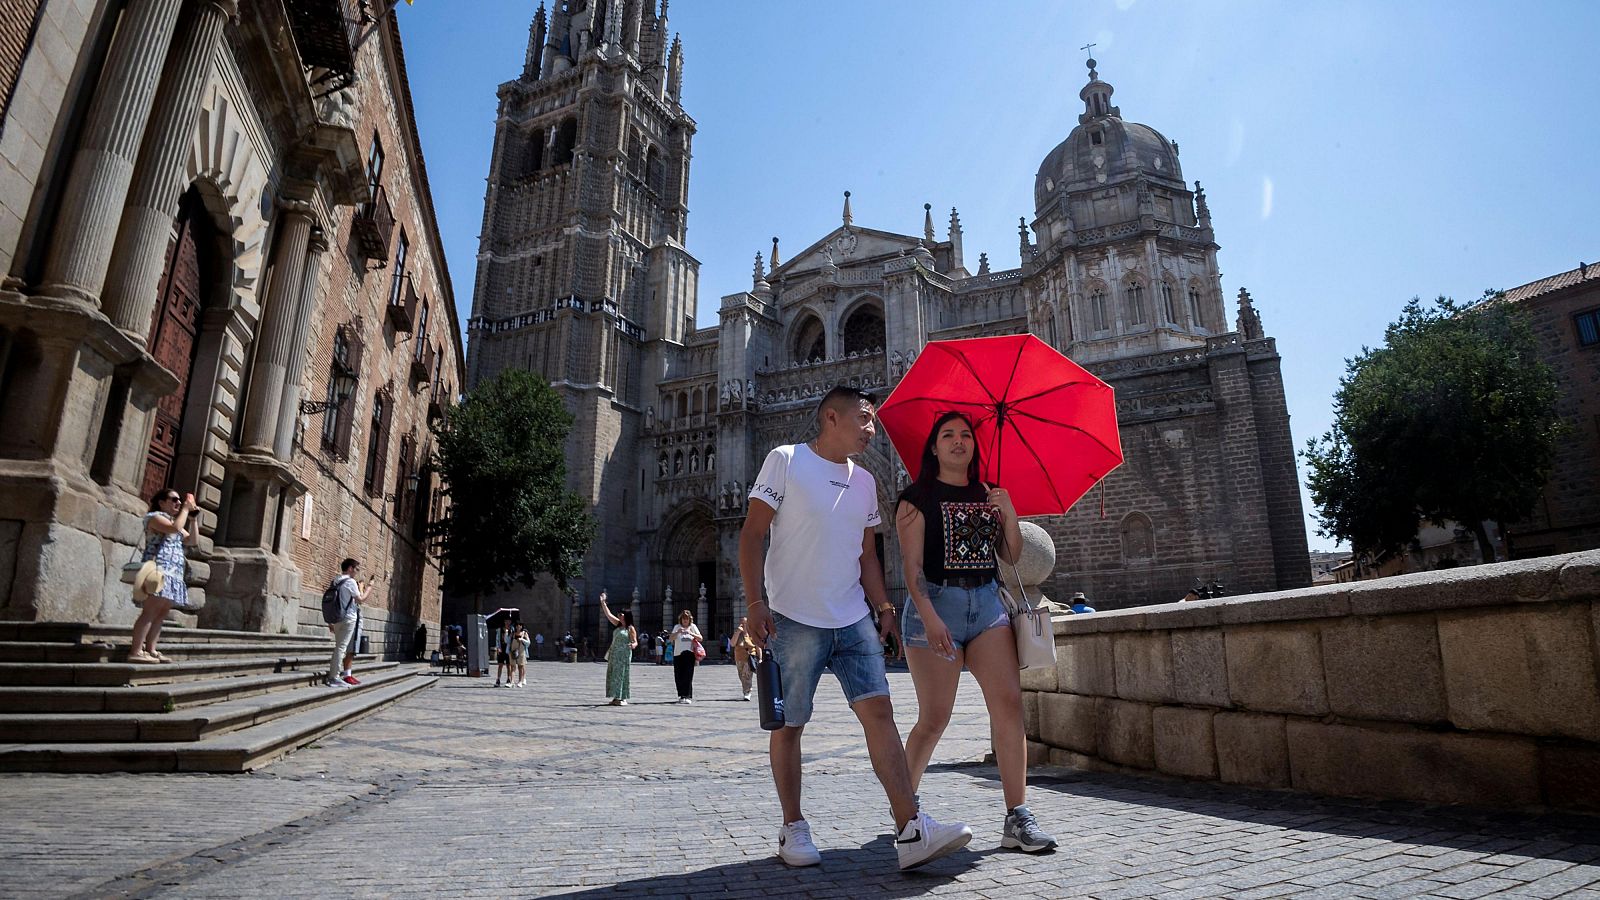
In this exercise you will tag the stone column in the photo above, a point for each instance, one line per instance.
(138, 257)
(276, 335)
(103, 166)
(289, 406)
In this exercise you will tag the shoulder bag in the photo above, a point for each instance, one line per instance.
(1030, 625)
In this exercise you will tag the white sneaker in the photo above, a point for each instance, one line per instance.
(794, 845)
(923, 840)
(333, 683)
(747, 695)
(688, 699)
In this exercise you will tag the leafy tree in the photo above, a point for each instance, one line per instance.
(500, 455)
(1453, 418)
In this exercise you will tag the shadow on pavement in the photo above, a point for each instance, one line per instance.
(1569, 837)
(867, 871)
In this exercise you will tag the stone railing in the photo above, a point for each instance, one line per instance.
(1474, 685)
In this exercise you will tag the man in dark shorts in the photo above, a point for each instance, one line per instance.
(822, 511)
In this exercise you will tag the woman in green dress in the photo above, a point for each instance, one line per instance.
(619, 659)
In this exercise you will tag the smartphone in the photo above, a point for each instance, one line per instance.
(188, 499)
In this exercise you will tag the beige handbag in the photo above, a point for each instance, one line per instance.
(1030, 625)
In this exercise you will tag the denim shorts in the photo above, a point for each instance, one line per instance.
(967, 612)
(854, 654)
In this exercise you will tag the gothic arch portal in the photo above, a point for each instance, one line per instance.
(808, 338)
(684, 557)
(863, 330)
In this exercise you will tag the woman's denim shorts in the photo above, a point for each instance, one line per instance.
(967, 612)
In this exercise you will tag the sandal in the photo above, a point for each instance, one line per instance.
(158, 656)
(141, 658)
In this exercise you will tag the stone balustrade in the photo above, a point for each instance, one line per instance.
(1473, 685)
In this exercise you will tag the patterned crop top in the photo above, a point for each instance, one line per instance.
(959, 530)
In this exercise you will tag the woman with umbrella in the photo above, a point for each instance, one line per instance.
(950, 524)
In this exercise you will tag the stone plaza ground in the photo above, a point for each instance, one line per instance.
(465, 790)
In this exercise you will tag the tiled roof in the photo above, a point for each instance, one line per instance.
(1590, 272)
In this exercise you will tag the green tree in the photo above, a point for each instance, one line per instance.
(500, 455)
(1452, 419)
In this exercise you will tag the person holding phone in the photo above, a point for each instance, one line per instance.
(347, 630)
(172, 523)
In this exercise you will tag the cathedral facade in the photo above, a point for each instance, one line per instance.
(584, 277)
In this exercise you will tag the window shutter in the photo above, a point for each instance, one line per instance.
(347, 412)
(382, 437)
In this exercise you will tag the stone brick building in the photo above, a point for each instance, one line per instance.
(1565, 309)
(220, 266)
(584, 277)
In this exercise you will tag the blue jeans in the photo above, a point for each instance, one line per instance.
(967, 612)
(853, 653)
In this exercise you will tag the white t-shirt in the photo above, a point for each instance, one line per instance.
(683, 638)
(813, 571)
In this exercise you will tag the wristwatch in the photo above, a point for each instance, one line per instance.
(884, 607)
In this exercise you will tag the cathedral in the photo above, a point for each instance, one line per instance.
(584, 276)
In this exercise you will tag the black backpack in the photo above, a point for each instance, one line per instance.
(332, 609)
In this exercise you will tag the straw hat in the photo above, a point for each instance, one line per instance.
(147, 581)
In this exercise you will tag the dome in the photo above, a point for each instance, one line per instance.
(1104, 150)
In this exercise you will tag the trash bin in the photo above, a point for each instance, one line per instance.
(366, 644)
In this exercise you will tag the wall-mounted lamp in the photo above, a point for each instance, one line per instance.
(344, 384)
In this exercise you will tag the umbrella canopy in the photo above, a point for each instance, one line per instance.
(1045, 427)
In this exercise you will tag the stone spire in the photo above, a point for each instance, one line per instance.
(612, 36)
(1022, 230)
(1202, 210)
(1249, 321)
(632, 19)
(531, 65)
(761, 287)
(760, 273)
(927, 221)
(956, 261)
(557, 46)
(983, 263)
(675, 71)
(774, 253)
(847, 217)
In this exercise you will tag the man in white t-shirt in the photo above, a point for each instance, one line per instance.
(822, 511)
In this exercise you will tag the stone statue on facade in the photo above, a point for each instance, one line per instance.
(724, 398)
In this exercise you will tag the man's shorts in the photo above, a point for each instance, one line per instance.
(853, 653)
(966, 612)
(503, 657)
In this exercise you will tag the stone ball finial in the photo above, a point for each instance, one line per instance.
(1038, 559)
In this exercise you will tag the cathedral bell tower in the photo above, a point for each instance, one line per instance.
(582, 270)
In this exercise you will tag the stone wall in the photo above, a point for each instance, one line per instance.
(1472, 686)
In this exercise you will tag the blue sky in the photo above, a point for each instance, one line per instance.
(1355, 154)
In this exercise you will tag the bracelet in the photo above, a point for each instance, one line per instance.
(884, 607)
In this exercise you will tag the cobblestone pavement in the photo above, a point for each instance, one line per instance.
(465, 790)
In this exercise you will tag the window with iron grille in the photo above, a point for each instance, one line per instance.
(377, 443)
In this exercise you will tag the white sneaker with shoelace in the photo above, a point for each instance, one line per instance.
(923, 840)
(794, 844)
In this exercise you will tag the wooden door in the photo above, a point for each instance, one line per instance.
(174, 327)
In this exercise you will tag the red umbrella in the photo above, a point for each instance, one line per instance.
(1046, 428)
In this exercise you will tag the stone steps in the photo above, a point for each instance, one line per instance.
(69, 702)
(122, 674)
(190, 724)
(165, 697)
(237, 751)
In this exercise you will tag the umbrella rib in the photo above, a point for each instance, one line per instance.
(980, 404)
(967, 364)
(1050, 390)
(1015, 363)
(1083, 431)
(1043, 468)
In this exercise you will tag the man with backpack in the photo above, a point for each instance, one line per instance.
(341, 610)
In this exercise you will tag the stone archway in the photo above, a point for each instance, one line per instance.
(686, 557)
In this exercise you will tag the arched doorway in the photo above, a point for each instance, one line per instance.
(175, 330)
(688, 559)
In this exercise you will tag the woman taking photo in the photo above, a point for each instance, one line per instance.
(619, 659)
(950, 525)
(173, 521)
(684, 638)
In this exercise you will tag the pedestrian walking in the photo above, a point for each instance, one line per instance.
(502, 655)
(687, 646)
(745, 656)
(538, 645)
(727, 647)
(569, 648)
(661, 643)
(619, 659)
(172, 523)
(519, 655)
(822, 512)
(950, 525)
(341, 611)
